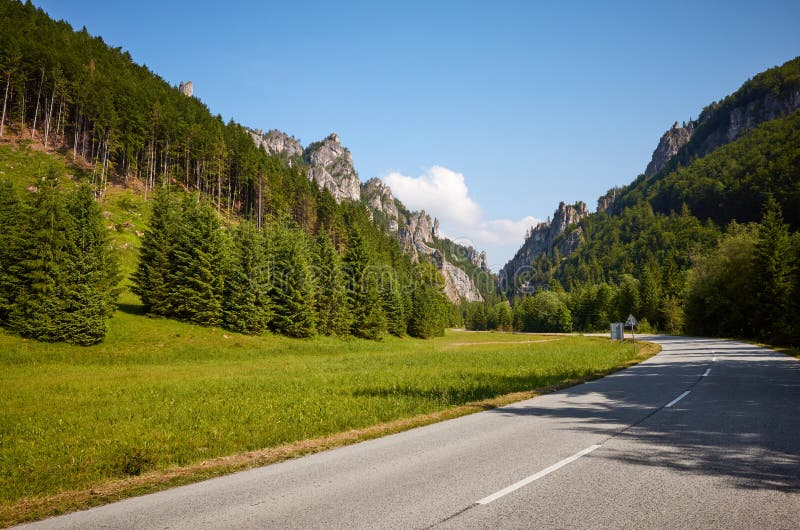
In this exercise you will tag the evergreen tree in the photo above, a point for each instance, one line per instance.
(90, 273)
(292, 291)
(153, 280)
(363, 298)
(429, 303)
(393, 305)
(246, 305)
(374, 324)
(197, 290)
(333, 316)
(42, 259)
(11, 217)
(773, 264)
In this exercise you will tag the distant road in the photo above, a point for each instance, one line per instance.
(705, 434)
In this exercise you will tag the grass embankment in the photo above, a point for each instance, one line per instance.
(159, 397)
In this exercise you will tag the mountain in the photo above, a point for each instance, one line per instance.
(330, 166)
(721, 167)
(419, 238)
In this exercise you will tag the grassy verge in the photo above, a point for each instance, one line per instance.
(162, 403)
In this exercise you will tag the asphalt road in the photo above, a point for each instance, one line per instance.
(618, 452)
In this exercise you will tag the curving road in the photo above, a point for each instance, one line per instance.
(705, 434)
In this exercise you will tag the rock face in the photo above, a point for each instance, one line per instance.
(606, 201)
(722, 123)
(331, 167)
(379, 199)
(187, 88)
(277, 142)
(457, 283)
(417, 233)
(668, 146)
(544, 237)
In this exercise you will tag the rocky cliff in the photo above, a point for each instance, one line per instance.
(668, 146)
(418, 235)
(723, 122)
(331, 166)
(277, 142)
(562, 233)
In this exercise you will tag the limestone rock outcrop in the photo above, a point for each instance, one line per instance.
(668, 146)
(561, 233)
(331, 167)
(277, 142)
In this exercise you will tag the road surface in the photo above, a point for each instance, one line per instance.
(705, 434)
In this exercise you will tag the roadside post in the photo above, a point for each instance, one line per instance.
(617, 331)
(632, 322)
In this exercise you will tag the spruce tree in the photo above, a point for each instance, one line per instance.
(42, 256)
(10, 239)
(333, 315)
(773, 265)
(89, 291)
(292, 289)
(196, 293)
(393, 305)
(365, 305)
(155, 274)
(429, 303)
(246, 305)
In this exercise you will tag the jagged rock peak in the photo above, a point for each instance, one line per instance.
(546, 237)
(378, 198)
(277, 142)
(669, 145)
(331, 167)
(606, 201)
(186, 88)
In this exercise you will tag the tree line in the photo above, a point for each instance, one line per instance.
(746, 283)
(278, 278)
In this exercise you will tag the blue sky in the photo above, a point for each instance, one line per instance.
(485, 113)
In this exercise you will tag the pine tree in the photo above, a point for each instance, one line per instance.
(293, 287)
(196, 294)
(392, 301)
(773, 264)
(333, 316)
(429, 303)
(246, 305)
(11, 213)
(365, 305)
(90, 273)
(155, 274)
(42, 257)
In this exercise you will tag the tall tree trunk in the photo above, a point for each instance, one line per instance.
(36, 112)
(5, 100)
(58, 122)
(49, 117)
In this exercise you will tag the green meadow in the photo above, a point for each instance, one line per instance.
(158, 393)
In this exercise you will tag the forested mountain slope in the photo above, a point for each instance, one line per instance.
(648, 244)
(227, 201)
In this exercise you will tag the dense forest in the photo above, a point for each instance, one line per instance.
(237, 238)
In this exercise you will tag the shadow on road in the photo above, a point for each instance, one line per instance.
(742, 423)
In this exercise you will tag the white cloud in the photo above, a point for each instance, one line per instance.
(440, 191)
(443, 193)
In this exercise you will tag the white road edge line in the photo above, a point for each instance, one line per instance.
(668, 405)
(708, 371)
(524, 482)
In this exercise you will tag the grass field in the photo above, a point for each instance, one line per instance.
(159, 394)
